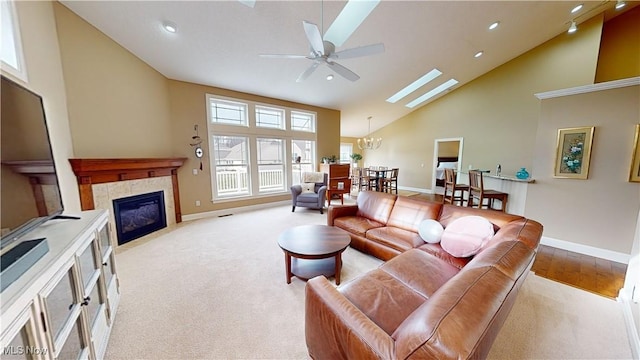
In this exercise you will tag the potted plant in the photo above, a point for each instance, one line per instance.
(356, 157)
(333, 159)
(325, 159)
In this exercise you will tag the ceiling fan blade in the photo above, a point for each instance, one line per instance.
(283, 56)
(308, 72)
(314, 37)
(359, 51)
(343, 71)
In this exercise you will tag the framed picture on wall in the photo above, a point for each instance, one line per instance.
(634, 174)
(573, 152)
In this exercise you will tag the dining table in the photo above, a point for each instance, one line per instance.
(378, 174)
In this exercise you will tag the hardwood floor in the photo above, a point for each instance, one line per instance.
(589, 273)
(599, 276)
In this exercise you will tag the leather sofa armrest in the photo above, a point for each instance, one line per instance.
(339, 211)
(336, 329)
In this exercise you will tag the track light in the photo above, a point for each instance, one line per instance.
(620, 4)
(572, 28)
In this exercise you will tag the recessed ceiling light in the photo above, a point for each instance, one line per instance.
(620, 4)
(576, 9)
(432, 93)
(330, 77)
(478, 54)
(169, 26)
(494, 25)
(415, 85)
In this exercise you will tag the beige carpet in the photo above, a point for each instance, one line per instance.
(215, 288)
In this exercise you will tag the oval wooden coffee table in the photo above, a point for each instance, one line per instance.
(316, 250)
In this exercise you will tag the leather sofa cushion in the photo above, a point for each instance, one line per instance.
(510, 257)
(382, 298)
(356, 224)
(407, 213)
(395, 238)
(437, 251)
(497, 218)
(457, 318)
(375, 205)
(422, 272)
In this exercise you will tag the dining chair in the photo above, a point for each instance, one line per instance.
(450, 188)
(390, 182)
(477, 191)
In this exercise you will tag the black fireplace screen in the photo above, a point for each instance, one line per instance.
(139, 215)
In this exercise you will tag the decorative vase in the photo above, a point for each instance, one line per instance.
(522, 174)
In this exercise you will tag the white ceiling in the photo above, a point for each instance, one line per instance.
(218, 43)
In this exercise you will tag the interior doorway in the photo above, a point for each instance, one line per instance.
(447, 152)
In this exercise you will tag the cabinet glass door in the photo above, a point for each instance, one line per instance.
(61, 303)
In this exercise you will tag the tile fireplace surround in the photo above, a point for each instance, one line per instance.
(100, 181)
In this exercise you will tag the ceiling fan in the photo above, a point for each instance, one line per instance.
(324, 52)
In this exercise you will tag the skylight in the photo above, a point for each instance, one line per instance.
(351, 16)
(415, 85)
(432, 93)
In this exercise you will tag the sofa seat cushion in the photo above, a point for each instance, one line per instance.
(420, 271)
(382, 298)
(437, 251)
(395, 238)
(408, 213)
(356, 224)
(307, 198)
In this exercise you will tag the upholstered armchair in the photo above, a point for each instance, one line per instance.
(312, 193)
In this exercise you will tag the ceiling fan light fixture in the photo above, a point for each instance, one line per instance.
(573, 28)
(369, 143)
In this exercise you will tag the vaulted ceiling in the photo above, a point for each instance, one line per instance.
(218, 43)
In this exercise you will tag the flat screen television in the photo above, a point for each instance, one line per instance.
(30, 192)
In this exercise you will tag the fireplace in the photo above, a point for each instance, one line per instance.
(139, 215)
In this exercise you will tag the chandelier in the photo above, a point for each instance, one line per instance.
(369, 143)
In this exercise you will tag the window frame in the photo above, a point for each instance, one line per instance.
(254, 132)
(12, 27)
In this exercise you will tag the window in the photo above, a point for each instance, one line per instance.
(301, 121)
(269, 117)
(254, 147)
(270, 164)
(228, 112)
(231, 156)
(11, 49)
(346, 150)
(306, 151)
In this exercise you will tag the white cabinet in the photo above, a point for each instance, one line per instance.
(63, 307)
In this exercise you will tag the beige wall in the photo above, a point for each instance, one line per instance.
(620, 48)
(118, 105)
(496, 114)
(45, 77)
(121, 107)
(188, 108)
(601, 211)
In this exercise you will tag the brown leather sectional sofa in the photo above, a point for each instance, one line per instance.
(423, 303)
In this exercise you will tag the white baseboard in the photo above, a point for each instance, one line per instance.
(586, 250)
(625, 299)
(235, 210)
(420, 190)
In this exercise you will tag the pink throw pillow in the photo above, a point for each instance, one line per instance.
(465, 236)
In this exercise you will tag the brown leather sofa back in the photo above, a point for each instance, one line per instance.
(375, 206)
(407, 213)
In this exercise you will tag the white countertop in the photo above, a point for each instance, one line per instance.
(506, 177)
